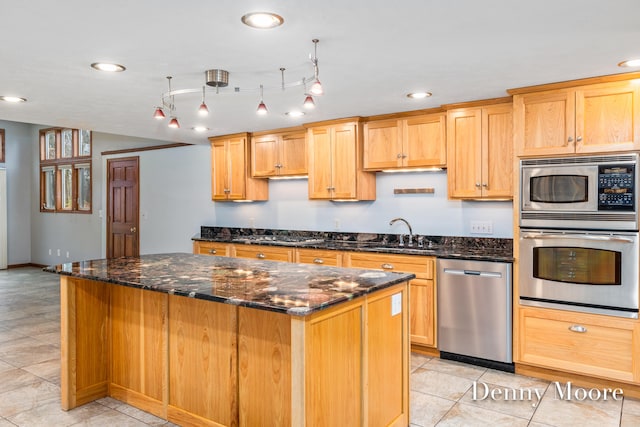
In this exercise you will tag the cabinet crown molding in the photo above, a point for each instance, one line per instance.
(572, 83)
(478, 103)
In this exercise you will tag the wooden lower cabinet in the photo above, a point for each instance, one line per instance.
(422, 290)
(587, 344)
(269, 253)
(211, 248)
(203, 363)
(319, 257)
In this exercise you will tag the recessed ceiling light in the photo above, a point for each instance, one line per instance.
(295, 113)
(200, 128)
(418, 95)
(263, 20)
(12, 99)
(108, 67)
(630, 63)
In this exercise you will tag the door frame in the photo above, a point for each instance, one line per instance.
(109, 201)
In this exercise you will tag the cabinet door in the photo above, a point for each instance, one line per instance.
(264, 155)
(382, 145)
(343, 171)
(464, 134)
(210, 248)
(319, 257)
(320, 163)
(422, 314)
(259, 252)
(424, 139)
(237, 168)
(220, 170)
(607, 117)
(544, 123)
(293, 154)
(497, 151)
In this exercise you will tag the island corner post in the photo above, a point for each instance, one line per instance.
(200, 362)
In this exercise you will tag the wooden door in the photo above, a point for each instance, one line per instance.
(264, 155)
(607, 117)
(465, 159)
(320, 163)
(122, 207)
(237, 168)
(382, 145)
(344, 162)
(293, 154)
(497, 151)
(544, 123)
(425, 140)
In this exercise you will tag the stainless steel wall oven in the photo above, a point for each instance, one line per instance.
(579, 243)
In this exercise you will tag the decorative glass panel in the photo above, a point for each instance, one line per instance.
(84, 187)
(50, 145)
(49, 180)
(67, 143)
(66, 188)
(84, 142)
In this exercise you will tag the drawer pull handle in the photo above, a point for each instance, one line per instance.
(578, 328)
(213, 251)
(318, 261)
(387, 266)
(260, 255)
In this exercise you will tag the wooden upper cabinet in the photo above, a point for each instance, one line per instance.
(230, 178)
(412, 142)
(592, 118)
(335, 163)
(279, 154)
(480, 152)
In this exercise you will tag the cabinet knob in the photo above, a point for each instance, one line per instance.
(132, 229)
(570, 139)
(213, 251)
(478, 184)
(399, 156)
(579, 139)
(485, 185)
(387, 266)
(578, 328)
(318, 261)
(404, 156)
(260, 255)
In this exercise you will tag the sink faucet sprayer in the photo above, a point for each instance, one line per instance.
(410, 231)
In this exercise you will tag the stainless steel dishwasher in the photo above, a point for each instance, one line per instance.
(475, 312)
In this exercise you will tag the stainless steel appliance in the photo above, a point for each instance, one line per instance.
(588, 192)
(475, 312)
(589, 271)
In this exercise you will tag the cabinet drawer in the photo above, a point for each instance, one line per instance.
(264, 253)
(581, 343)
(319, 257)
(421, 266)
(210, 248)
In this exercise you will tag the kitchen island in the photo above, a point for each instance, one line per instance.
(201, 340)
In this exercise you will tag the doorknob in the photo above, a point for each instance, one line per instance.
(133, 229)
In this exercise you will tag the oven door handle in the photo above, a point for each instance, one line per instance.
(545, 236)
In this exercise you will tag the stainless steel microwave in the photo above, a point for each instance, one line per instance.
(587, 192)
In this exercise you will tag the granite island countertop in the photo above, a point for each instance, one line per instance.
(480, 249)
(295, 289)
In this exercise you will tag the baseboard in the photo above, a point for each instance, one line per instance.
(28, 264)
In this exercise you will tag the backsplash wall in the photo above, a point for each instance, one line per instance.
(429, 214)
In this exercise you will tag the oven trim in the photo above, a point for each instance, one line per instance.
(628, 313)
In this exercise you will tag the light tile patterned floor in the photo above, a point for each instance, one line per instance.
(441, 391)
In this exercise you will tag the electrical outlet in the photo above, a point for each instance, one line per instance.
(482, 227)
(336, 223)
(252, 223)
(58, 251)
(50, 251)
(67, 254)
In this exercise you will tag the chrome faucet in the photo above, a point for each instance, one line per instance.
(393, 221)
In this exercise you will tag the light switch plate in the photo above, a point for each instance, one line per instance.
(396, 304)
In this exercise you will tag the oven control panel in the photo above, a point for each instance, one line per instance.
(616, 187)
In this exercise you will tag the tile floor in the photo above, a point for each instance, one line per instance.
(441, 391)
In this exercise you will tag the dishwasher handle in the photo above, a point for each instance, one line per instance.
(459, 272)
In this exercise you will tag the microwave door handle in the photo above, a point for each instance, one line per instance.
(544, 236)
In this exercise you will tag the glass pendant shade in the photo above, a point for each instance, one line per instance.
(158, 114)
(173, 123)
(203, 110)
(309, 102)
(262, 109)
(316, 88)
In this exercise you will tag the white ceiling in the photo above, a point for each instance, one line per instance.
(371, 53)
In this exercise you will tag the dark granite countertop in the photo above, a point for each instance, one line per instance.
(295, 289)
(482, 249)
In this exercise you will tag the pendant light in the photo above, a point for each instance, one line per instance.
(308, 103)
(262, 108)
(316, 86)
(158, 114)
(203, 110)
(173, 123)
